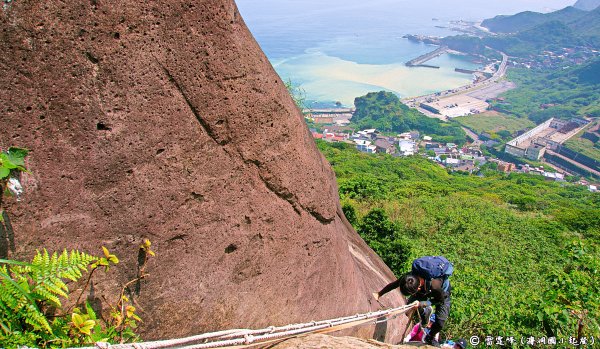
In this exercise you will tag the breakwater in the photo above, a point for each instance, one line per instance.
(465, 71)
(418, 62)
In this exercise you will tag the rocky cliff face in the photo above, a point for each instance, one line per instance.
(164, 120)
(323, 341)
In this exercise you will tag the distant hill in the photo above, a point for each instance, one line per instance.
(551, 36)
(588, 26)
(587, 5)
(527, 20)
(529, 33)
(384, 111)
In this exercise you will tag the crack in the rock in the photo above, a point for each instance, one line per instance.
(235, 77)
(281, 193)
(286, 195)
(209, 131)
(318, 216)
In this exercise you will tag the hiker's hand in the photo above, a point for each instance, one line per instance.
(423, 304)
(376, 296)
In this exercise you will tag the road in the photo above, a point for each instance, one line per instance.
(474, 136)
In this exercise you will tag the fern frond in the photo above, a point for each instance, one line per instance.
(25, 286)
(17, 301)
(36, 319)
(49, 297)
(13, 293)
(47, 272)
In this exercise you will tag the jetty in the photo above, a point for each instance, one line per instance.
(330, 111)
(418, 62)
(466, 71)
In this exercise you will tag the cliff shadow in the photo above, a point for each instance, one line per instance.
(7, 236)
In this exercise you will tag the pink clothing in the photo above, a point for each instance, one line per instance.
(417, 334)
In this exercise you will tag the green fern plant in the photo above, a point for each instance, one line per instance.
(29, 291)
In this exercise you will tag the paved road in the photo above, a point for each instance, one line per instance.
(474, 136)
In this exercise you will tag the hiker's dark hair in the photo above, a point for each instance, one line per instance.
(409, 284)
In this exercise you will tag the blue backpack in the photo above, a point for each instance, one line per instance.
(432, 267)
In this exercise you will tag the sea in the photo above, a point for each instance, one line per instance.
(336, 50)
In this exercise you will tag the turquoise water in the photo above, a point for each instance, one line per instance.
(338, 50)
(329, 78)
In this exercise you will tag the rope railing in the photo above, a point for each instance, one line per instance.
(243, 338)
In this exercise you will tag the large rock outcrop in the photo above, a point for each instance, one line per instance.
(322, 341)
(164, 120)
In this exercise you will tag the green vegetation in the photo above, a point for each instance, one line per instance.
(583, 145)
(528, 19)
(384, 111)
(297, 93)
(32, 294)
(32, 313)
(525, 250)
(550, 36)
(494, 123)
(27, 288)
(534, 33)
(541, 94)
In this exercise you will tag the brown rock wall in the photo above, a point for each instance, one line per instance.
(164, 120)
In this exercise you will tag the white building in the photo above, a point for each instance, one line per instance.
(365, 146)
(407, 147)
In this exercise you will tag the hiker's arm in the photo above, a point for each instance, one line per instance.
(389, 287)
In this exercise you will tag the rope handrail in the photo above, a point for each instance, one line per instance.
(240, 338)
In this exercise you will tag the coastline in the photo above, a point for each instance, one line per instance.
(466, 99)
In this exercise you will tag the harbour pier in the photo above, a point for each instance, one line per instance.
(418, 62)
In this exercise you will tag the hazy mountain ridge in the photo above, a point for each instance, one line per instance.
(587, 5)
(528, 34)
(528, 19)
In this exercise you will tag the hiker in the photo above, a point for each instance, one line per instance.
(427, 283)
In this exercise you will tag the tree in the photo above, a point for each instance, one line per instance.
(350, 213)
(384, 237)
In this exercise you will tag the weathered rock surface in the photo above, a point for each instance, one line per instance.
(322, 341)
(164, 120)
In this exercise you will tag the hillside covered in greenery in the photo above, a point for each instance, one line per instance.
(385, 112)
(525, 250)
(561, 93)
(528, 34)
(528, 19)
